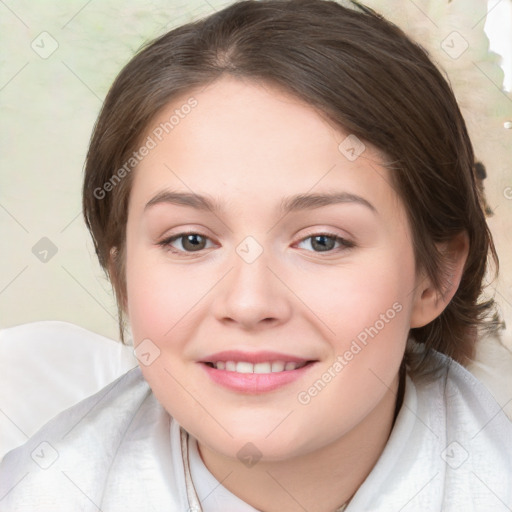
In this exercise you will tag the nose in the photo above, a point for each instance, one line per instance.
(252, 295)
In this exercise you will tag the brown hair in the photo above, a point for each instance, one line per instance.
(364, 74)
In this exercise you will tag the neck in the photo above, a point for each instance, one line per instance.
(320, 481)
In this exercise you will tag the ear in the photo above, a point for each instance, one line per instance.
(430, 302)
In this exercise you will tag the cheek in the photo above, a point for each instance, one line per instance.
(367, 313)
(350, 299)
(160, 309)
(151, 294)
(147, 302)
(165, 298)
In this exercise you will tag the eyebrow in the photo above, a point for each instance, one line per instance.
(289, 204)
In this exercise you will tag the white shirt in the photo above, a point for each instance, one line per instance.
(450, 450)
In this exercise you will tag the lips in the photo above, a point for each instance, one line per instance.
(263, 367)
(256, 372)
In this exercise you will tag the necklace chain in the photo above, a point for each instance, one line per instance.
(193, 501)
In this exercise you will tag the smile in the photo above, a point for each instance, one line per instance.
(254, 373)
(263, 367)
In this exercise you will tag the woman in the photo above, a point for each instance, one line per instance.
(283, 195)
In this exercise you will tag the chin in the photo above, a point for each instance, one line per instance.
(265, 441)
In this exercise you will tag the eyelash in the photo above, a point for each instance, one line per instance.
(345, 244)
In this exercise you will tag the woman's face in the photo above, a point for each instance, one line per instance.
(282, 319)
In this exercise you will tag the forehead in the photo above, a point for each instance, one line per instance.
(244, 140)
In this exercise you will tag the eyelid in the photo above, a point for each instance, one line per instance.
(346, 243)
(166, 242)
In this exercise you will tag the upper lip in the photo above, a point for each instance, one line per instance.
(252, 357)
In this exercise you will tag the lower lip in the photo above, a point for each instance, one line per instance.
(255, 383)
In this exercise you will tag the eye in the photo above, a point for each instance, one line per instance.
(190, 242)
(193, 242)
(325, 242)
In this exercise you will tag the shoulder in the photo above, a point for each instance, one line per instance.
(476, 434)
(122, 395)
(450, 448)
(463, 400)
(67, 462)
(463, 395)
(48, 366)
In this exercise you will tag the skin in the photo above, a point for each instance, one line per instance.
(250, 145)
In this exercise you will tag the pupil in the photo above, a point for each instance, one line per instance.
(322, 245)
(192, 240)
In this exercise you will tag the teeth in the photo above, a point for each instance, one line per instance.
(277, 366)
(266, 367)
(230, 366)
(262, 368)
(243, 367)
